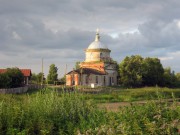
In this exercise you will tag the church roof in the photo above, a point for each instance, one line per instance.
(87, 71)
(96, 44)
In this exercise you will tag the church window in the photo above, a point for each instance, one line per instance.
(112, 79)
(104, 79)
(100, 55)
(96, 79)
(87, 79)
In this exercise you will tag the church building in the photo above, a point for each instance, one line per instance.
(98, 69)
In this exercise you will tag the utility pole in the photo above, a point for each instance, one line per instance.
(42, 73)
(81, 71)
(66, 70)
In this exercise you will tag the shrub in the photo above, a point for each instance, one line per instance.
(12, 78)
(48, 112)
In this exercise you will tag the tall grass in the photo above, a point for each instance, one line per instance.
(146, 93)
(153, 118)
(47, 113)
(51, 112)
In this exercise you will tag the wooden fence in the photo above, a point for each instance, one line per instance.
(14, 90)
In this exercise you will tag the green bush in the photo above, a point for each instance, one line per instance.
(153, 118)
(12, 78)
(47, 112)
(4, 80)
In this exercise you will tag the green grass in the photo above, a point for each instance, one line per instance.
(153, 118)
(129, 95)
(47, 112)
(50, 112)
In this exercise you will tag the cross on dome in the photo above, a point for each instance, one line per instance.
(96, 44)
(97, 35)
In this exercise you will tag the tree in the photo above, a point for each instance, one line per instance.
(136, 71)
(63, 80)
(16, 77)
(152, 72)
(169, 79)
(177, 79)
(12, 78)
(5, 80)
(52, 76)
(130, 71)
(39, 78)
(34, 78)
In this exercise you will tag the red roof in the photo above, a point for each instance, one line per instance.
(2, 70)
(26, 72)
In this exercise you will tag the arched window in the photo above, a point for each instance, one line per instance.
(104, 80)
(97, 79)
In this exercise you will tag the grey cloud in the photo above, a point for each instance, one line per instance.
(27, 29)
(161, 34)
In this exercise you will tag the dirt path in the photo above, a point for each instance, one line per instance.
(115, 106)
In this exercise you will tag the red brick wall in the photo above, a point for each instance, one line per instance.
(98, 66)
(69, 79)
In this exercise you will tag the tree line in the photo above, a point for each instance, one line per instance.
(52, 77)
(136, 71)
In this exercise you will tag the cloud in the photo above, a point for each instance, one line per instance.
(59, 31)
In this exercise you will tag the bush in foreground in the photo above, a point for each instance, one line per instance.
(50, 112)
(153, 118)
(47, 113)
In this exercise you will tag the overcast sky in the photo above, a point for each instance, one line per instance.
(60, 30)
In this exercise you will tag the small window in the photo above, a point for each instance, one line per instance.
(87, 79)
(112, 79)
(104, 79)
(97, 79)
(100, 55)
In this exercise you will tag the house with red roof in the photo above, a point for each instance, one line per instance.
(26, 72)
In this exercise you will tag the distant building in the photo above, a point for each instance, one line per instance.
(98, 69)
(26, 72)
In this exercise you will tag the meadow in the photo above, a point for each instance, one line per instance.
(135, 94)
(48, 111)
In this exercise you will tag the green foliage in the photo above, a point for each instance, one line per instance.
(12, 78)
(52, 76)
(37, 78)
(135, 94)
(130, 70)
(47, 112)
(63, 80)
(40, 76)
(34, 78)
(153, 118)
(136, 71)
(152, 73)
(170, 79)
(50, 112)
(5, 80)
(177, 79)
